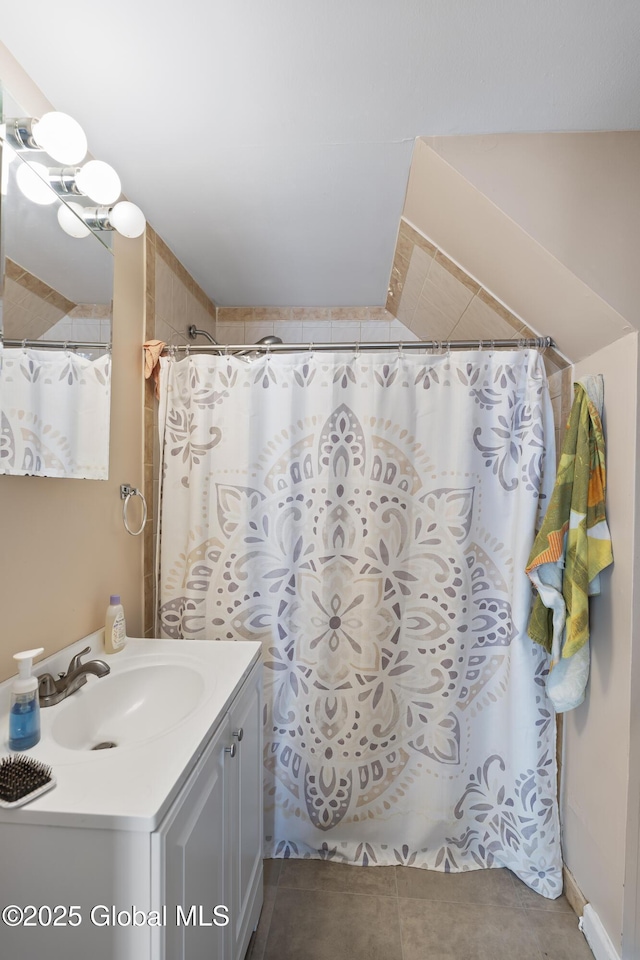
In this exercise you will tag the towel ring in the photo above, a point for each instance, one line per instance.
(126, 493)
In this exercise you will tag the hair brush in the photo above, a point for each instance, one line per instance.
(22, 779)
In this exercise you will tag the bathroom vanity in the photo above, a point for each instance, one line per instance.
(151, 849)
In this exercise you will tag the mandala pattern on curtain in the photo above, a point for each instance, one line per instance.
(368, 519)
(54, 414)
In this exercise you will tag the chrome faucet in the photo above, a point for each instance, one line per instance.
(52, 691)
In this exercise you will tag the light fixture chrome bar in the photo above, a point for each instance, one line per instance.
(63, 181)
(57, 344)
(19, 131)
(530, 343)
(98, 218)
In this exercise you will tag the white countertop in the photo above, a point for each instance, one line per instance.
(132, 786)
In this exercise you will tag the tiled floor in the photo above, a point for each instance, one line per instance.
(315, 910)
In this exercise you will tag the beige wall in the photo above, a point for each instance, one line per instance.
(510, 264)
(577, 194)
(64, 548)
(597, 734)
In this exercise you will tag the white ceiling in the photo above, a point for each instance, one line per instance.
(269, 141)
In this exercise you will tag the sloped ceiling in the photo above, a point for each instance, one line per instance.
(270, 143)
(578, 195)
(494, 250)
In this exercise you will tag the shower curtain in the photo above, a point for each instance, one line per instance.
(368, 519)
(54, 414)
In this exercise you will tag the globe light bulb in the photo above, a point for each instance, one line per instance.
(127, 219)
(61, 137)
(70, 222)
(98, 181)
(33, 181)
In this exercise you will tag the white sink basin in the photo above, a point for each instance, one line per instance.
(127, 707)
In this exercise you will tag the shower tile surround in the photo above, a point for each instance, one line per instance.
(31, 307)
(34, 310)
(330, 911)
(437, 300)
(309, 324)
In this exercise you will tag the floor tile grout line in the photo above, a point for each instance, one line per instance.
(473, 903)
(345, 893)
(393, 896)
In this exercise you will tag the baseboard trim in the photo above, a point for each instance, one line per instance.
(572, 892)
(596, 935)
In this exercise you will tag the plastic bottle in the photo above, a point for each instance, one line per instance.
(115, 629)
(24, 715)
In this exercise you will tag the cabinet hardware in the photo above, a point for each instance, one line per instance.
(231, 750)
(238, 734)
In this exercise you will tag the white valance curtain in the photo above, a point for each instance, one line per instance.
(368, 518)
(54, 414)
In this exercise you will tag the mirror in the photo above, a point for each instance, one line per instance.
(55, 383)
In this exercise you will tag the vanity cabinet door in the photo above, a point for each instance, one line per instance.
(190, 862)
(244, 772)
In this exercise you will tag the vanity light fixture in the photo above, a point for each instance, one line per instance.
(125, 217)
(64, 140)
(96, 180)
(56, 133)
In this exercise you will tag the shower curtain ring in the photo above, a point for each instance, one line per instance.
(24, 345)
(310, 345)
(357, 348)
(400, 348)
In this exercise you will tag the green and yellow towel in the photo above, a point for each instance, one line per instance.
(571, 549)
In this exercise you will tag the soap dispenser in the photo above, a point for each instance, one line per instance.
(24, 715)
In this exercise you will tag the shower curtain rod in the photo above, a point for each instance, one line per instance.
(56, 344)
(530, 343)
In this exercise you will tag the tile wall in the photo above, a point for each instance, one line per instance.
(309, 324)
(437, 300)
(31, 307)
(87, 321)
